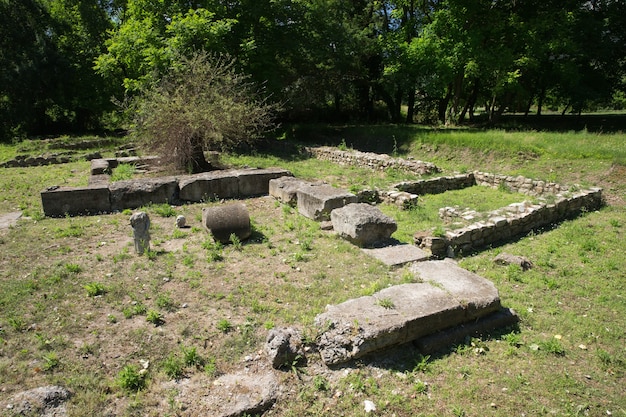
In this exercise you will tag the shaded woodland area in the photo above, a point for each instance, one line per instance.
(64, 64)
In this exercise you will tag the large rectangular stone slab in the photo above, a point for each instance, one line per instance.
(209, 186)
(404, 313)
(255, 181)
(285, 189)
(136, 193)
(477, 294)
(61, 201)
(316, 201)
(396, 255)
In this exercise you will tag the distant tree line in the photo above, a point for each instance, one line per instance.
(435, 61)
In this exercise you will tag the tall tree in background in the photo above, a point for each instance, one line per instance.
(47, 49)
(324, 59)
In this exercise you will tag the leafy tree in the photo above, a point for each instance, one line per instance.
(47, 49)
(202, 103)
(153, 35)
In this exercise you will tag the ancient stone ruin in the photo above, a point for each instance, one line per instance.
(444, 305)
(106, 197)
(140, 223)
(224, 221)
(363, 224)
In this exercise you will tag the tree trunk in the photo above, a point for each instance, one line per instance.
(453, 110)
(528, 104)
(398, 106)
(542, 95)
(410, 106)
(469, 104)
(443, 105)
(198, 162)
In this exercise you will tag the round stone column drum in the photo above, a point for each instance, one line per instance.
(224, 220)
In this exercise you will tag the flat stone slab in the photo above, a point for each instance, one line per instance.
(61, 201)
(10, 219)
(242, 393)
(231, 183)
(397, 255)
(285, 189)
(141, 192)
(99, 179)
(440, 340)
(255, 181)
(208, 186)
(100, 166)
(448, 296)
(316, 201)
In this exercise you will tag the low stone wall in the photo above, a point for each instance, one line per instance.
(519, 184)
(25, 161)
(437, 185)
(371, 160)
(106, 165)
(513, 220)
(102, 197)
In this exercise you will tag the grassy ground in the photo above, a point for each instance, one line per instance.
(80, 309)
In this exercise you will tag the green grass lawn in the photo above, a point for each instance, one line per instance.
(78, 308)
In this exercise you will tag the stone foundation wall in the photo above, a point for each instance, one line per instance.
(102, 197)
(371, 160)
(519, 184)
(513, 220)
(24, 161)
(437, 185)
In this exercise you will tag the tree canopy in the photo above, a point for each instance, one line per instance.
(399, 60)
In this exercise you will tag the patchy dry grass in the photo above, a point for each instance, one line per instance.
(79, 308)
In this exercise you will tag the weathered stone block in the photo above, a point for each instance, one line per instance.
(136, 193)
(362, 224)
(256, 181)
(284, 347)
(449, 296)
(317, 201)
(285, 189)
(209, 185)
(61, 201)
(100, 166)
(225, 220)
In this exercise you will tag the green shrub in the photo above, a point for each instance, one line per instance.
(202, 103)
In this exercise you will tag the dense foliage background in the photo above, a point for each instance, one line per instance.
(62, 61)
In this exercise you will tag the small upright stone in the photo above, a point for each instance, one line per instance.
(181, 221)
(141, 231)
(283, 347)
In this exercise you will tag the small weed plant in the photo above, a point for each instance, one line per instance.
(154, 317)
(386, 303)
(224, 326)
(131, 379)
(95, 289)
(123, 172)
